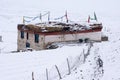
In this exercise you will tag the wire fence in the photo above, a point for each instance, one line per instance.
(58, 72)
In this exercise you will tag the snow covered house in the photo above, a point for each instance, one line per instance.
(38, 36)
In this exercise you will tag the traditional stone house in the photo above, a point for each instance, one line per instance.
(38, 36)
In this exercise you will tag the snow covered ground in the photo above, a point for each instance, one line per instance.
(19, 66)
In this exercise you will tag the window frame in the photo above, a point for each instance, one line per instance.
(36, 38)
(27, 35)
(22, 34)
(27, 45)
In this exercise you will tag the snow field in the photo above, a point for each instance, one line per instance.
(21, 65)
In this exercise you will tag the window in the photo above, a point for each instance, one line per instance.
(22, 34)
(27, 45)
(36, 38)
(27, 36)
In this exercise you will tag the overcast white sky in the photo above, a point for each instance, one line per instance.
(77, 8)
(58, 5)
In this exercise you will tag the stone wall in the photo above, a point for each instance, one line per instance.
(31, 40)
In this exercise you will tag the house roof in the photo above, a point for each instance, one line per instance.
(57, 27)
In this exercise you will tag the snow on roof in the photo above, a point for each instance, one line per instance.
(53, 26)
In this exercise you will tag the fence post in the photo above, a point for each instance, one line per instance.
(58, 72)
(32, 75)
(69, 71)
(0, 38)
(47, 73)
(84, 56)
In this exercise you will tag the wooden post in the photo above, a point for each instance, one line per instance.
(32, 75)
(46, 73)
(84, 56)
(41, 17)
(68, 67)
(58, 72)
(23, 20)
(0, 38)
(48, 16)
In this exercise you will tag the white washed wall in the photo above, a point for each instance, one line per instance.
(92, 36)
(70, 37)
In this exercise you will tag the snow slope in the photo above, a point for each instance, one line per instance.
(108, 51)
(21, 65)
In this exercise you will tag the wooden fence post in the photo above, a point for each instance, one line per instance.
(0, 38)
(47, 73)
(32, 75)
(84, 56)
(58, 72)
(69, 71)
